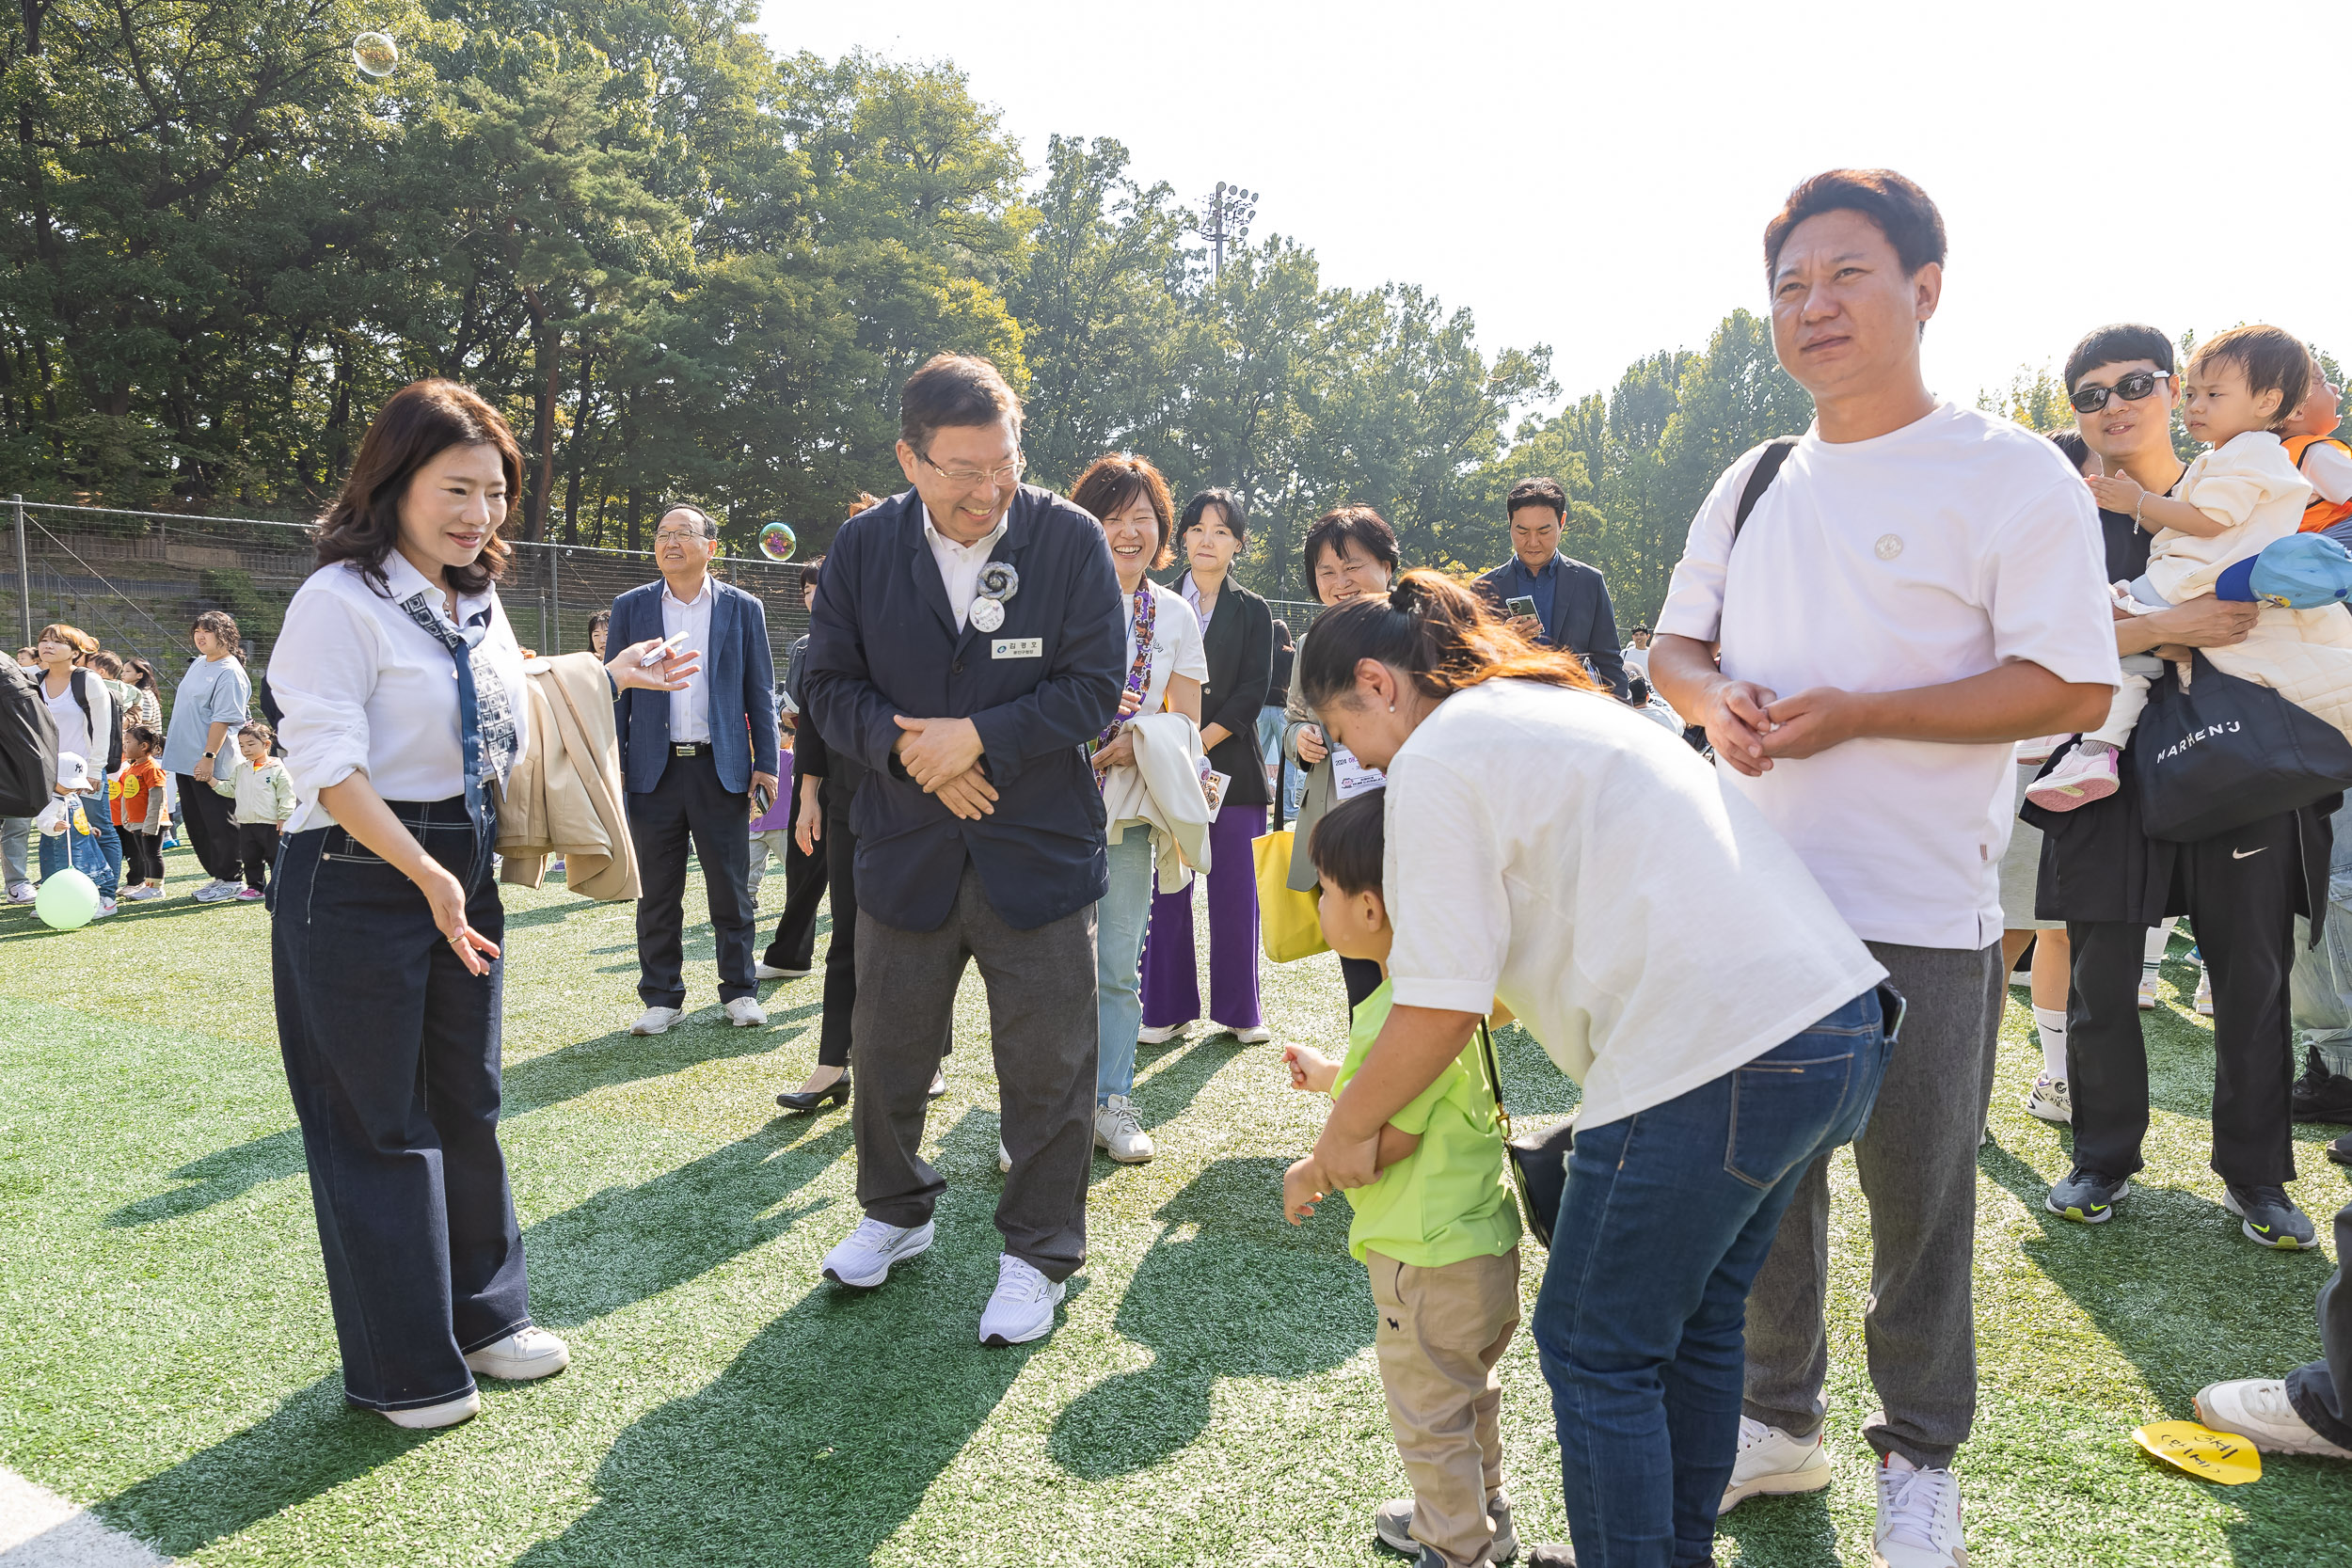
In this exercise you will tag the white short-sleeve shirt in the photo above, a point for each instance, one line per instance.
(1930, 554)
(1558, 850)
(1177, 648)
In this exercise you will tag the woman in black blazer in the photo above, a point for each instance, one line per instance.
(1238, 630)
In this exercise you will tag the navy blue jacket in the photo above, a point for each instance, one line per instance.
(1584, 621)
(883, 641)
(739, 672)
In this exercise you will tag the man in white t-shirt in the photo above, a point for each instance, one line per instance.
(1917, 586)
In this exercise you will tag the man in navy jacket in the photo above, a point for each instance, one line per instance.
(1572, 608)
(691, 760)
(967, 645)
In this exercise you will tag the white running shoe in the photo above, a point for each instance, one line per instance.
(863, 1261)
(424, 1417)
(22, 893)
(1771, 1463)
(655, 1021)
(2203, 1004)
(528, 1351)
(1918, 1518)
(218, 892)
(2085, 776)
(1004, 1157)
(770, 971)
(1257, 1033)
(1022, 1309)
(2258, 1407)
(745, 1012)
(107, 907)
(2147, 989)
(141, 894)
(1160, 1034)
(2050, 1100)
(1119, 1135)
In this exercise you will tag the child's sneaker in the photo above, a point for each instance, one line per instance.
(142, 893)
(105, 907)
(2147, 991)
(251, 895)
(2204, 1003)
(2049, 1100)
(2085, 776)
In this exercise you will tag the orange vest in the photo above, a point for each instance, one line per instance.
(2322, 513)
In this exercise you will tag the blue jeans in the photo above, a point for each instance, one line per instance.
(391, 1054)
(98, 857)
(1641, 1321)
(1120, 921)
(1286, 775)
(2320, 988)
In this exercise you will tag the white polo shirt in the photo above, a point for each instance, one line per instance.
(1930, 554)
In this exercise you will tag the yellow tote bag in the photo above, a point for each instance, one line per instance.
(1287, 924)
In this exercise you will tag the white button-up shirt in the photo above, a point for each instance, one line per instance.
(690, 706)
(1191, 590)
(960, 565)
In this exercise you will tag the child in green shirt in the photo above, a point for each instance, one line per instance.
(1437, 1232)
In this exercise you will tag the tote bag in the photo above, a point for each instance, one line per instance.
(1287, 925)
(2221, 751)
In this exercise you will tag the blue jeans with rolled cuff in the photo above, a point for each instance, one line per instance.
(1641, 1322)
(1121, 919)
(391, 1053)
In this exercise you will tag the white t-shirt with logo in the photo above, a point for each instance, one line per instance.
(1177, 648)
(1930, 554)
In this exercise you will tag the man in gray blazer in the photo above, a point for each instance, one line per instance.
(692, 761)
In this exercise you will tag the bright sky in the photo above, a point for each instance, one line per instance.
(1599, 178)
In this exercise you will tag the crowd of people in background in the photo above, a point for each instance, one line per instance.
(1005, 742)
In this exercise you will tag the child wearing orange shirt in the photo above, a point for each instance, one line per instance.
(136, 797)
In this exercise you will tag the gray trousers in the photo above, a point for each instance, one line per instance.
(2320, 987)
(1918, 1161)
(16, 833)
(1041, 1028)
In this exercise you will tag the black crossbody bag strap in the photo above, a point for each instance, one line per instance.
(1767, 463)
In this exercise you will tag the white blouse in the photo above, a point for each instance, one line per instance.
(365, 689)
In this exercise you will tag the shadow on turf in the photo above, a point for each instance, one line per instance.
(534, 1085)
(1227, 1291)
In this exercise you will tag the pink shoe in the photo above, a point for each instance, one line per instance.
(254, 894)
(2081, 779)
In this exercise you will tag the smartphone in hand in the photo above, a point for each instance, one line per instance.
(1524, 604)
(661, 650)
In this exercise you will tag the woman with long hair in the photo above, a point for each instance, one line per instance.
(1550, 848)
(401, 687)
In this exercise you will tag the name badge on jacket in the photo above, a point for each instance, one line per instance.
(1017, 647)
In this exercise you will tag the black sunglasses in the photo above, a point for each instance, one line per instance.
(2130, 387)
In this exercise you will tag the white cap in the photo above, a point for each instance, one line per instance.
(73, 771)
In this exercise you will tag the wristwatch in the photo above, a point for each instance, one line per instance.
(208, 756)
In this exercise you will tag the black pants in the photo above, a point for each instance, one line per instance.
(207, 818)
(805, 876)
(2322, 1392)
(690, 805)
(256, 848)
(391, 1053)
(142, 857)
(2239, 890)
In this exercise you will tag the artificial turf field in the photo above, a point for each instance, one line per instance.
(1210, 1396)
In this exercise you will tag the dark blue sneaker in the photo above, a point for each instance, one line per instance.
(2088, 1197)
(2272, 1220)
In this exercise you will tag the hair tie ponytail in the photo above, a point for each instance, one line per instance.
(1402, 598)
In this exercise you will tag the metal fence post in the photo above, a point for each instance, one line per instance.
(24, 571)
(555, 594)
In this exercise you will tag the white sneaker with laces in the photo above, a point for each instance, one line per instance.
(2258, 1407)
(528, 1351)
(2050, 1100)
(1771, 1463)
(1257, 1033)
(655, 1021)
(2203, 1001)
(1119, 1135)
(1160, 1034)
(22, 893)
(745, 1012)
(863, 1261)
(770, 971)
(1918, 1518)
(142, 893)
(107, 907)
(218, 892)
(1004, 1157)
(2147, 991)
(424, 1417)
(1022, 1309)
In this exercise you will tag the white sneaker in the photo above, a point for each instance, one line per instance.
(105, 907)
(770, 971)
(142, 893)
(1004, 1157)
(745, 1012)
(1022, 1309)
(218, 892)
(863, 1261)
(1161, 1035)
(1117, 1134)
(655, 1021)
(1771, 1463)
(2258, 1407)
(1918, 1518)
(528, 1351)
(22, 893)
(2050, 1100)
(1257, 1033)
(2147, 991)
(2204, 1003)
(424, 1417)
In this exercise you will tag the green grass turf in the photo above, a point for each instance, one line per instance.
(1210, 1397)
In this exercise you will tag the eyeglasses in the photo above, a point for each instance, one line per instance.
(677, 535)
(2131, 388)
(972, 478)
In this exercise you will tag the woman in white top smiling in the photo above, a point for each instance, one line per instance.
(401, 688)
(1165, 667)
(1550, 847)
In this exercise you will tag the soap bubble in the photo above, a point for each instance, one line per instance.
(67, 899)
(374, 53)
(777, 542)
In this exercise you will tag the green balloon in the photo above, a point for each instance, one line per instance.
(66, 901)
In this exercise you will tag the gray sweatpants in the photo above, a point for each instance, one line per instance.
(1041, 1029)
(1917, 1162)
(16, 837)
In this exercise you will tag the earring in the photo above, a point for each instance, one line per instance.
(1391, 708)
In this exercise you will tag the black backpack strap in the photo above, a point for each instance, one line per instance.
(1767, 463)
